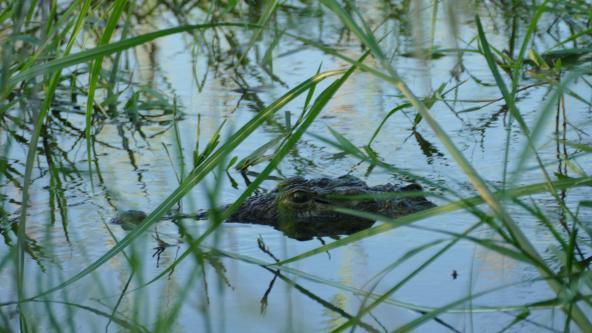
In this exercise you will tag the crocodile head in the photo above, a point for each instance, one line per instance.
(300, 200)
(306, 208)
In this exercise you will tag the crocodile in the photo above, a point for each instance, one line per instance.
(306, 208)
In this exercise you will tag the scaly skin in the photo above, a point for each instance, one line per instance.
(303, 208)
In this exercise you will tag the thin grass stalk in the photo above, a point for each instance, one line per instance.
(32, 6)
(116, 61)
(270, 7)
(116, 319)
(362, 310)
(120, 298)
(510, 97)
(53, 35)
(7, 12)
(7, 48)
(409, 255)
(196, 175)
(522, 241)
(540, 305)
(573, 37)
(529, 145)
(315, 109)
(514, 112)
(31, 152)
(414, 324)
(516, 70)
(166, 321)
(110, 48)
(95, 70)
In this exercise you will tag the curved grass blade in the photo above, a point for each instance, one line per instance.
(530, 136)
(383, 121)
(30, 161)
(116, 319)
(546, 304)
(58, 31)
(196, 175)
(522, 242)
(110, 48)
(270, 7)
(509, 97)
(320, 102)
(95, 69)
(363, 310)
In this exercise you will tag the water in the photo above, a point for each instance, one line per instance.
(135, 171)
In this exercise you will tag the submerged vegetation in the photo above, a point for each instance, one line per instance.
(175, 106)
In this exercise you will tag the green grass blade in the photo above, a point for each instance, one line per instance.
(522, 242)
(85, 56)
(270, 7)
(547, 304)
(363, 310)
(321, 101)
(195, 177)
(95, 69)
(30, 161)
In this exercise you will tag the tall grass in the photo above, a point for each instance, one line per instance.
(48, 48)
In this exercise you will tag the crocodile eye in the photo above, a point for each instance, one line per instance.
(300, 197)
